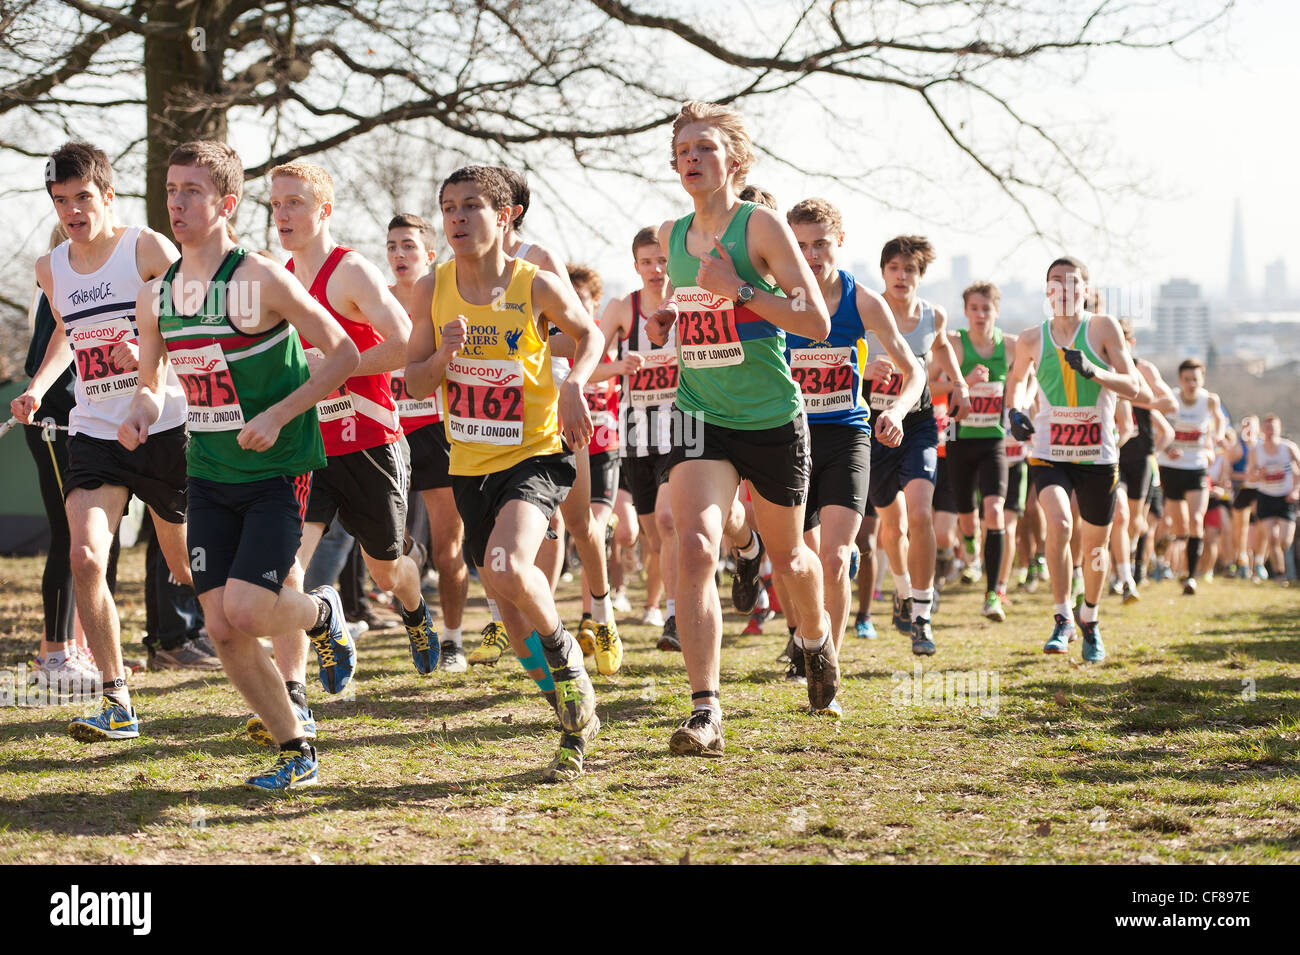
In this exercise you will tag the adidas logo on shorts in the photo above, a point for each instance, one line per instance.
(272, 576)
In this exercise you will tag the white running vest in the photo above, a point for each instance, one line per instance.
(98, 311)
(1191, 425)
(1275, 477)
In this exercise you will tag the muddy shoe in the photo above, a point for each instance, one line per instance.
(699, 735)
(823, 668)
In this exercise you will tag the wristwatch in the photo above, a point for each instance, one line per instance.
(745, 294)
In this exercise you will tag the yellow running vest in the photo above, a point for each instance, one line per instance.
(498, 396)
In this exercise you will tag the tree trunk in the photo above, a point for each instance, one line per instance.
(183, 90)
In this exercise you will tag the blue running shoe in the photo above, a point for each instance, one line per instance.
(1062, 635)
(922, 638)
(425, 647)
(866, 629)
(262, 737)
(334, 648)
(1094, 651)
(113, 721)
(291, 771)
(855, 559)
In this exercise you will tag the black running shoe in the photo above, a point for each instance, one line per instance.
(668, 641)
(922, 638)
(902, 614)
(797, 671)
(747, 582)
(699, 735)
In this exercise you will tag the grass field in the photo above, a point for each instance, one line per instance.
(1183, 747)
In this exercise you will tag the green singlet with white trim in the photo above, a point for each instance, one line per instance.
(986, 392)
(262, 369)
(748, 393)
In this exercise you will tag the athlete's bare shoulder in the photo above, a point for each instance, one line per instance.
(154, 253)
(666, 232)
(545, 259)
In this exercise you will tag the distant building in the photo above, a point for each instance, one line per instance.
(1182, 319)
(1275, 290)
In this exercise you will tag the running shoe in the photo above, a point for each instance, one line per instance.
(1115, 587)
(1094, 651)
(1130, 593)
(356, 628)
(587, 635)
(668, 641)
(993, 607)
(113, 721)
(823, 668)
(204, 642)
(653, 617)
(72, 678)
(971, 572)
(609, 649)
(1189, 587)
(1243, 571)
(1261, 573)
(452, 658)
(568, 761)
(291, 771)
(797, 671)
(748, 580)
(700, 734)
(784, 655)
(831, 709)
(424, 642)
(494, 643)
(574, 694)
(1063, 634)
(902, 614)
(618, 600)
(922, 638)
(855, 560)
(260, 735)
(335, 650)
(865, 628)
(756, 621)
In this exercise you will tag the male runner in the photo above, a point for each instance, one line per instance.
(645, 411)
(829, 374)
(1244, 493)
(410, 254)
(1198, 425)
(229, 323)
(740, 284)
(487, 353)
(1082, 363)
(977, 458)
(364, 482)
(903, 477)
(92, 282)
(1274, 464)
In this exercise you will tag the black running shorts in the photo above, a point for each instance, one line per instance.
(775, 461)
(1271, 506)
(1017, 488)
(154, 472)
(943, 498)
(247, 532)
(643, 477)
(841, 470)
(543, 481)
(1093, 484)
(604, 477)
(430, 457)
(366, 490)
(917, 456)
(1135, 477)
(1177, 482)
(976, 463)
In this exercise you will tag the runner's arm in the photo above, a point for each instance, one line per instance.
(154, 254)
(1220, 419)
(560, 306)
(1162, 432)
(1122, 377)
(425, 367)
(366, 296)
(147, 402)
(58, 353)
(1164, 399)
(1252, 464)
(943, 354)
(878, 319)
(1018, 395)
(1124, 422)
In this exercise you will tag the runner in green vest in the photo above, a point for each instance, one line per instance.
(229, 324)
(977, 458)
(740, 283)
(1083, 363)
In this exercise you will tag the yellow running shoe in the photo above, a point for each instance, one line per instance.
(587, 636)
(494, 643)
(568, 762)
(609, 649)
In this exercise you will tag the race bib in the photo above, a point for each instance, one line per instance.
(101, 378)
(337, 404)
(1188, 440)
(485, 401)
(825, 376)
(884, 393)
(1015, 451)
(706, 329)
(985, 405)
(1074, 434)
(655, 382)
(408, 407)
(209, 389)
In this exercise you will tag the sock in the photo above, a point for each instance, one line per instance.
(921, 603)
(1089, 613)
(1193, 554)
(297, 693)
(750, 550)
(670, 607)
(1063, 609)
(1124, 571)
(763, 603)
(808, 643)
(413, 618)
(117, 692)
(706, 700)
(602, 608)
(1078, 572)
(56, 657)
(452, 634)
(994, 541)
(555, 646)
(322, 617)
(535, 662)
(902, 585)
(296, 745)
(494, 610)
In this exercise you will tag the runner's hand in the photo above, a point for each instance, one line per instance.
(1077, 360)
(629, 363)
(959, 403)
(24, 407)
(888, 428)
(718, 273)
(453, 336)
(1021, 426)
(658, 325)
(1173, 452)
(260, 433)
(575, 416)
(134, 431)
(881, 370)
(126, 356)
(978, 375)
